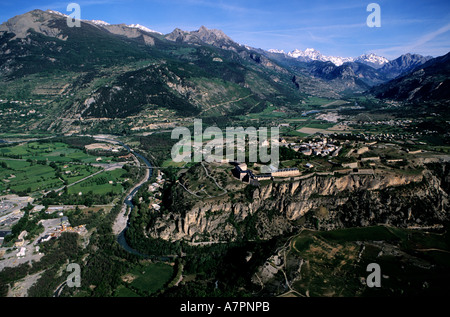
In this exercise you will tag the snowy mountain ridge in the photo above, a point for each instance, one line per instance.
(311, 54)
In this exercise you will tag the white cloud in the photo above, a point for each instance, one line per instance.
(417, 44)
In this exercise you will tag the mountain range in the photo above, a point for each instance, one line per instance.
(429, 81)
(311, 54)
(101, 70)
(105, 24)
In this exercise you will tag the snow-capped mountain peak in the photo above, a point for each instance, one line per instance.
(372, 59)
(143, 28)
(100, 22)
(311, 54)
(97, 22)
(277, 51)
(57, 13)
(103, 23)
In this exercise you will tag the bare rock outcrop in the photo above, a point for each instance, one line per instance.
(348, 200)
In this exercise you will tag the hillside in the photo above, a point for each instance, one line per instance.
(402, 65)
(71, 77)
(116, 71)
(429, 82)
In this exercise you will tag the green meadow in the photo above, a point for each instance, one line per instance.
(42, 166)
(22, 176)
(100, 184)
(147, 280)
(51, 152)
(72, 173)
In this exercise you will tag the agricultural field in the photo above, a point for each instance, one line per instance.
(319, 125)
(109, 181)
(72, 173)
(52, 152)
(23, 176)
(314, 101)
(43, 166)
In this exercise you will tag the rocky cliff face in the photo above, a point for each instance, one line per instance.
(325, 201)
(130, 32)
(37, 20)
(203, 35)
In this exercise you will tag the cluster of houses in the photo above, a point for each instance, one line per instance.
(64, 227)
(323, 147)
(155, 202)
(55, 233)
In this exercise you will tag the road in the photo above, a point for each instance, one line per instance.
(77, 182)
(226, 103)
(110, 167)
(59, 289)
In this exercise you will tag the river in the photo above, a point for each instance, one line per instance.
(129, 202)
(129, 199)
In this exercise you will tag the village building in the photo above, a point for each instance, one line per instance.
(375, 158)
(287, 172)
(350, 165)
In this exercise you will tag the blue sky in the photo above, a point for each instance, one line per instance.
(333, 27)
